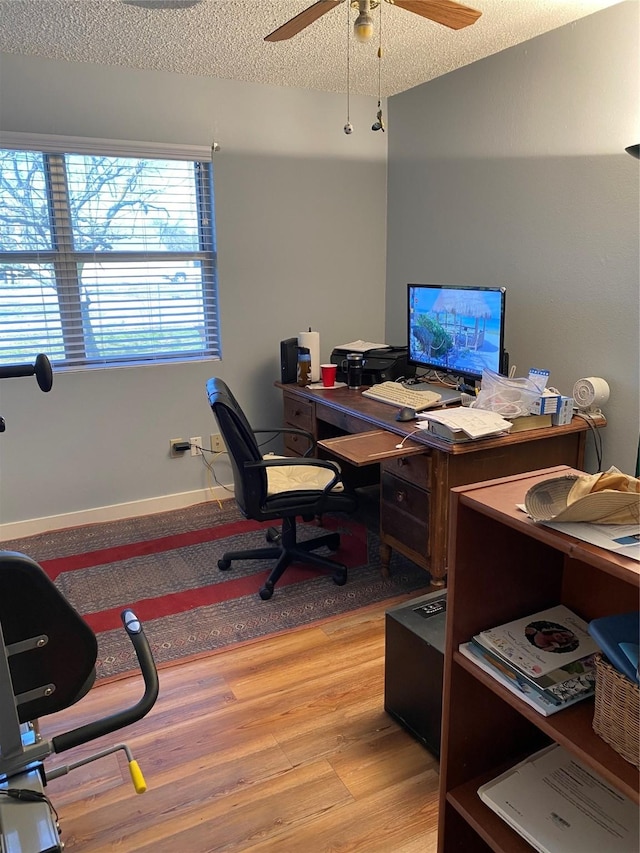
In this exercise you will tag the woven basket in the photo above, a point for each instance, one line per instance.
(617, 711)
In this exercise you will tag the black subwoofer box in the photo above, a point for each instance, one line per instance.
(414, 663)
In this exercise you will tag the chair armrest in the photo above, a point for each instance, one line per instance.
(296, 460)
(293, 431)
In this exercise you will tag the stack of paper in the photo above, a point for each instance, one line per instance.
(473, 423)
(559, 805)
(361, 346)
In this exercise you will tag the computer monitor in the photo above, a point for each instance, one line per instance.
(456, 329)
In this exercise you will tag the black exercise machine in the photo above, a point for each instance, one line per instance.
(47, 663)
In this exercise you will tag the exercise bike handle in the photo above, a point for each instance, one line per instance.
(90, 731)
(41, 368)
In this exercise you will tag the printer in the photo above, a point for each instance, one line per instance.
(380, 365)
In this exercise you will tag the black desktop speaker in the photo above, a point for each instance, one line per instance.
(289, 360)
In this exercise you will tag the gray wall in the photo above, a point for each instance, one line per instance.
(301, 223)
(512, 171)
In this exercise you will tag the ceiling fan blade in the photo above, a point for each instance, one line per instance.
(306, 17)
(446, 12)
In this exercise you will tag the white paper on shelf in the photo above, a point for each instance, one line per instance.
(475, 423)
(361, 346)
(559, 804)
(624, 539)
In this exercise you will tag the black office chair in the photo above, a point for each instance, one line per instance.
(272, 487)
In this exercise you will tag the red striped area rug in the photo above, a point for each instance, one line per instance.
(164, 567)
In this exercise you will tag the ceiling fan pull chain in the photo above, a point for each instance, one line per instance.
(348, 128)
(379, 122)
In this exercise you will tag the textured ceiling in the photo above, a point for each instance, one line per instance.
(225, 39)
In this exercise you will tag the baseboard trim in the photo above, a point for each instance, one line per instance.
(115, 512)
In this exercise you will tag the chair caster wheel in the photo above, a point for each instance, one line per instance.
(334, 542)
(340, 577)
(223, 565)
(273, 535)
(267, 591)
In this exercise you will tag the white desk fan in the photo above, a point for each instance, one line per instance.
(590, 394)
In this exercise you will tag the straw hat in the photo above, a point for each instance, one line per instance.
(606, 498)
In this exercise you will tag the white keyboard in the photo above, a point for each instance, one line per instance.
(397, 395)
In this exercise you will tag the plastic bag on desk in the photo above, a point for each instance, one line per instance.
(510, 398)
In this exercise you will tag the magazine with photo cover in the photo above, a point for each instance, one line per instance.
(576, 679)
(542, 642)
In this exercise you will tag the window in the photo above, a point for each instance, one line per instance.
(106, 260)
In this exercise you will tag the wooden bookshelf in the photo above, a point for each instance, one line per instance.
(503, 567)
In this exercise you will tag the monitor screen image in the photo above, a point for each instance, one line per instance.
(456, 329)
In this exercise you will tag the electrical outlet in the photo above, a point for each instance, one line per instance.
(216, 443)
(196, 444)
(172, 447)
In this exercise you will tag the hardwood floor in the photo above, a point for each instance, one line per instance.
(282, 745)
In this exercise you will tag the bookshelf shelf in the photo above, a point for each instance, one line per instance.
(488, 825)
(504, 567)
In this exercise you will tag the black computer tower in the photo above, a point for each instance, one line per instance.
(414, 664)
(288, 360)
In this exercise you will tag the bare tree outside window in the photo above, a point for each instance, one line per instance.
(106, 260)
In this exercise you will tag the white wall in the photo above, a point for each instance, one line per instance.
(301, 224)
(512, 171)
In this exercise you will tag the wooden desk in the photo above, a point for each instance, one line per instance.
(415, 482)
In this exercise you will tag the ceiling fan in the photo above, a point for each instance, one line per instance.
(445, 12)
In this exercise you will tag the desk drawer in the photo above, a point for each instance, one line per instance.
(413, 469)
(295, 445)
(404, 513)
(344, 421)
(298, 413)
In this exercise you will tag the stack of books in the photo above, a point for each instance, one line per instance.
(547, 659)
(525, 422)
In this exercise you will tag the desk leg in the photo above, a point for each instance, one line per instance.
(385, 558)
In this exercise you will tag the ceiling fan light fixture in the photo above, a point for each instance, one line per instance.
(363, 27)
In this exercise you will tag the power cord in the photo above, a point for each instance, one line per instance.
(215, 453)
(209, 464)
(408, 435)
(27, 795)
(446, 379)
(211, 472)
(597, 437)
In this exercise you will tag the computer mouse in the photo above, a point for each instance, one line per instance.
(406, 413)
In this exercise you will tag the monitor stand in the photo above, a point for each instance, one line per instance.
(448, 396)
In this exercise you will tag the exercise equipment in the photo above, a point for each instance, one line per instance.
(47, 663)
(41, 368)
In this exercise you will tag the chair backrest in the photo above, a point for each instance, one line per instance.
(250, 487)
(31, 606)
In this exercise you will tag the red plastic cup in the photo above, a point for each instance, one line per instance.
(328, 372)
